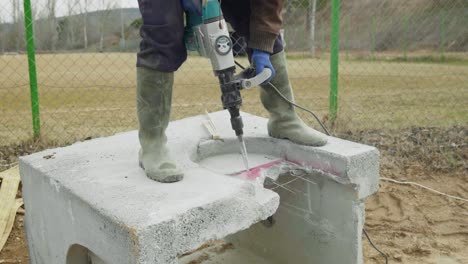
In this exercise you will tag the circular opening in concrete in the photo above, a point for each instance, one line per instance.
(225, 157)
(231, 164)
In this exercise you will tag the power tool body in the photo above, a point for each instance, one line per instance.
(207, 32)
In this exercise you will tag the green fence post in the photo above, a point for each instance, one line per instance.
(28, 24)
(442, 35)
(334, 53)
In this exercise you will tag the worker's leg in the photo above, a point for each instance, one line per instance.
(162, 51)
(237, 13)
(284, 121)
(162, 46)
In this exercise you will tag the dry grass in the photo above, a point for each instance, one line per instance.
(85, 95)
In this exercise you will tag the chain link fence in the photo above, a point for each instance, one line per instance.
(402, 64)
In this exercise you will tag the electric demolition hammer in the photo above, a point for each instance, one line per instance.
(207, 32)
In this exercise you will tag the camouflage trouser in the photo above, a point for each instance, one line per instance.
(162, 47)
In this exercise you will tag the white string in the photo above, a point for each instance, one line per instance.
(9, 165)
(283, 185)
(424, 187)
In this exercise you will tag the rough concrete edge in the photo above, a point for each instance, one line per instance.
(31, 156)
(360, 218)
(358, 170)
(131, 231)
(354, 169)
(369, 164)
(268, 206)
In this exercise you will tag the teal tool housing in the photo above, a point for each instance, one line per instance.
(211, 10)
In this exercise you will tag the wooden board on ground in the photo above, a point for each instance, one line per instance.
(8, 202)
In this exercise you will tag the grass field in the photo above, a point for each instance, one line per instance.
(85, 95)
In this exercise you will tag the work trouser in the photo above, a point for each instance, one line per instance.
(162, 46)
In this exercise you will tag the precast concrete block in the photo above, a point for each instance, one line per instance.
(91, 203)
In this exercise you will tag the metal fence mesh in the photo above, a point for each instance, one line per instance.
(402, 64)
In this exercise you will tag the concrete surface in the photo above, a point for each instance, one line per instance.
(318, 221)
(91, 198)
(223, 253)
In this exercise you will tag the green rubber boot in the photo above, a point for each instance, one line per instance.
(284, 122)
(154, 98)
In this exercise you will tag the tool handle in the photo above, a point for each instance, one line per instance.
(257, 80)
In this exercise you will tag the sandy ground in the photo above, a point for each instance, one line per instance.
(412, 225)
(408, 223)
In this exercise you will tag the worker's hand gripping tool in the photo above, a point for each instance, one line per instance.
(207, 32)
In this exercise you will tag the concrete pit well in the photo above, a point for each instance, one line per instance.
(319, 219)
(96, 196)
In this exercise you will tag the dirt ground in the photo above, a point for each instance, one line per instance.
(408, 223)
(413, 225)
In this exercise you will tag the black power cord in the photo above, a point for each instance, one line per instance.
(326, 132)
(292, 103)
(374, 246)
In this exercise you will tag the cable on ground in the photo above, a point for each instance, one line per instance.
(9, 165)
(424, 187)
(375, 247)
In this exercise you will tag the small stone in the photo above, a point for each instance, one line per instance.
(51, 156)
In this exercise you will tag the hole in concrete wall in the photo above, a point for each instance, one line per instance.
(78, 254)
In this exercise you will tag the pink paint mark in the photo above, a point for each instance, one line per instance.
(256, 172)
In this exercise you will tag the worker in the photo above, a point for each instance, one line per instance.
(162, 52)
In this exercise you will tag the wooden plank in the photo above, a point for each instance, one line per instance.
(10, 223)
(8, 204)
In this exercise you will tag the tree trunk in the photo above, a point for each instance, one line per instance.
(104, 20)
(20, 29)
(122, 30)
(71, 25)
(2, 37)
(85, 25)
(101, 41)
(73, 36)
(14, 5)
(51, 6)
(311, 20)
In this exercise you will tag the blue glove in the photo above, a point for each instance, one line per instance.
(193, 6)
(261, 60)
